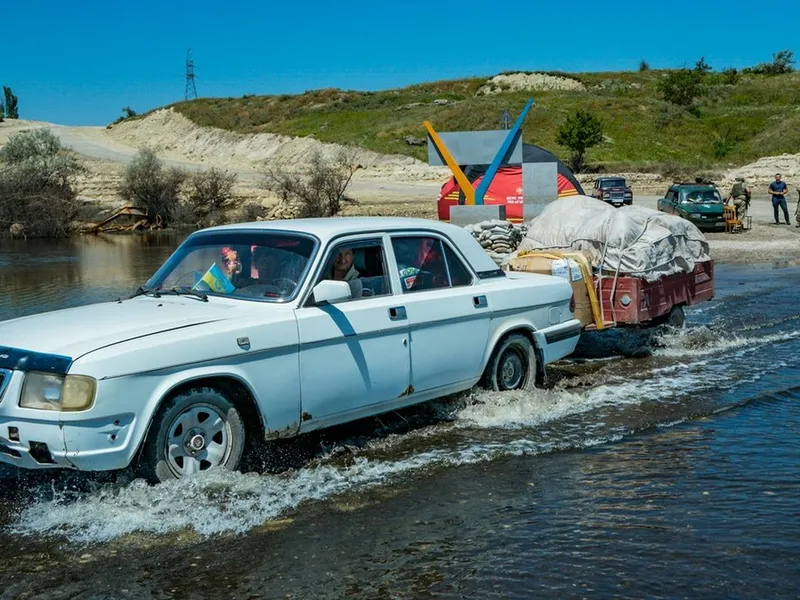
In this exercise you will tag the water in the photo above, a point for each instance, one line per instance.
(674, 475)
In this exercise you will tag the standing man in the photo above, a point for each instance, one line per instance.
(777, 190)
(740, 194)
(797, 210)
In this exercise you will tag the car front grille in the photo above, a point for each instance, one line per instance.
(5, 379)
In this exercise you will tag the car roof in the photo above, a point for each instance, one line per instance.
(610, 177)
(694, 186)
(326, 229)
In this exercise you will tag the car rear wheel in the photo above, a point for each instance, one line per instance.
(196, 430)
(512, 365)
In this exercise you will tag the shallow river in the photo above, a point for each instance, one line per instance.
(674, 475)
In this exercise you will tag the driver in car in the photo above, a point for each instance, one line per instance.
(343, 270)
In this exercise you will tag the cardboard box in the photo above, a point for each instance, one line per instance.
(566, 268)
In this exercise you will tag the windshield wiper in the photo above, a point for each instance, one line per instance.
(185, 291)
(146, 291)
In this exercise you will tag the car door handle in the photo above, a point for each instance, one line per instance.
(397, 313)
(479, 302)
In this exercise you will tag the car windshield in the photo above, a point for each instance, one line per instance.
(612, 183)
(703, 196)
(251, 265)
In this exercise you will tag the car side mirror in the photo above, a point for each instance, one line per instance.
(329, 291)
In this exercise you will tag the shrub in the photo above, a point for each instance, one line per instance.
(782, 62)
(37, 184)
(643, 66)
(251, 212)
(579, 132)
(681, 87)
(730, 76)
(209, 192)
(148, 184)
(319, 193)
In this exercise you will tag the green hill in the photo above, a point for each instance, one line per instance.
(736, 120)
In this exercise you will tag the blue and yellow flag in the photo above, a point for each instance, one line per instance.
(215, 281)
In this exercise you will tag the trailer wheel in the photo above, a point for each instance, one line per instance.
(675, 318)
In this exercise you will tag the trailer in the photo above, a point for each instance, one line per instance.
(605, 300)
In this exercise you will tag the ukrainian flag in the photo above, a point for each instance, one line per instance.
(215, 281)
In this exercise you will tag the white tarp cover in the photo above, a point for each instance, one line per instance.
(640, 241)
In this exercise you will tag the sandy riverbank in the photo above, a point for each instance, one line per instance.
(386, 186)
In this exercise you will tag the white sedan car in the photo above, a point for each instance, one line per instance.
(268, 330)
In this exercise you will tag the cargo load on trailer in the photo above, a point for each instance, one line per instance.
(627, 266)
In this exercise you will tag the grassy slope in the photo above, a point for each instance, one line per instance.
(759, 115)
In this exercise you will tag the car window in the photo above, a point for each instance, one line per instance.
(704, 196)
(247, 265)
(362, 264)
(671, 195)
(609, 183)
(425, 263)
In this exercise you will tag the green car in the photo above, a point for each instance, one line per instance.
(699, 203)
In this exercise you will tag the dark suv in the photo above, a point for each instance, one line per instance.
(614, 190)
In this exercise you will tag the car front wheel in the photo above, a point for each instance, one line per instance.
(512, 365)
(196, 430)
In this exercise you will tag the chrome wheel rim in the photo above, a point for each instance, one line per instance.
(511, 370)
(198, 439)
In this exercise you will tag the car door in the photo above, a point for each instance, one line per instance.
(669, 202)
(354, 355)
(448, 314)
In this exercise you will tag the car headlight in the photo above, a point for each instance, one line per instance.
(44, 391)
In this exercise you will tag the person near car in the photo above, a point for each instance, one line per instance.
(777, 190)
(740, 195)
(797, 210)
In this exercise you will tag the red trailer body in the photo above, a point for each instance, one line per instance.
(636, 301)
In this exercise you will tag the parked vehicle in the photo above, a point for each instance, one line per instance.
(244, 335)
(614, 190)
(700, 203)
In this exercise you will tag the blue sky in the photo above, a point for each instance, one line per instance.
(79, 62)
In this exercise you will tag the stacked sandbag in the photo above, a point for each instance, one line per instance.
(498, 238)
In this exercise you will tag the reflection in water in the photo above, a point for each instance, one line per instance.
(39, 275)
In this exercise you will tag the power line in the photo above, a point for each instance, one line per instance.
(191, 90)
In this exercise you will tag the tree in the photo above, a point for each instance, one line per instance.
(320, 192)
(148, 184)
(701, 66)
(37, 184)
(209, 193)
(681, 87)
(644, 66)
(579, 132)
(12, 111)
(129, 112)
(2, 110)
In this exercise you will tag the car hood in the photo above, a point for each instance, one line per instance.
(74, 332)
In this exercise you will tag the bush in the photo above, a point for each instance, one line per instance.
(37, 184)
(209, 192)
(149, 185)
(251, 212)
(579, 132)
(782, 62)
(319, 193)
(643, 66)
(730, 76)
(681, 87)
